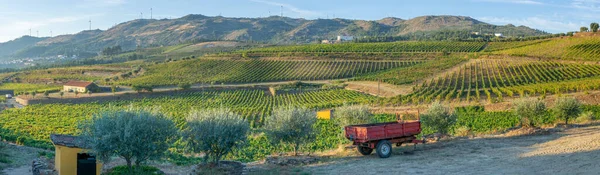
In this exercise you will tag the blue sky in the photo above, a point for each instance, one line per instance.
(72, 16)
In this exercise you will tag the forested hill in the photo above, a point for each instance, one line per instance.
(277, 30)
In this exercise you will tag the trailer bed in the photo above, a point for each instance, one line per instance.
(382, 131)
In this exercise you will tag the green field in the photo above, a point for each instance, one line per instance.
(81, 73)
(35, 123)
(568, 48)
(412, 74)
(25, 87)
(496, 46)
(404, 46)
(244, 71)
(495, 79)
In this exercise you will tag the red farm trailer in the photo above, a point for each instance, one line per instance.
(381, 136)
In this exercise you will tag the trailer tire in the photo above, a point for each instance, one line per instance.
(384, 149)
(364, 150)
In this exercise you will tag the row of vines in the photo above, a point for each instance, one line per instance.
(33, 124)
(241, 71)
(495, 79)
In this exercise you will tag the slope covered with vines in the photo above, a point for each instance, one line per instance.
(33, 124)
(568, 48)
(495, 79)
(244, 71)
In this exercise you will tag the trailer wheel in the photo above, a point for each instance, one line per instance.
(384, 149)
(364, 150)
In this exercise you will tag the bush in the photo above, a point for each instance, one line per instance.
(530, 111)
(136, 135)
(184, 86)
(352, 115)
(215, 132)
(585, 117)
(438, 118)
(292, 125)
(567, 108)
(141, 170)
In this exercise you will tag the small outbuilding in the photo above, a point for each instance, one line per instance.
(80, 86)
(72, 156)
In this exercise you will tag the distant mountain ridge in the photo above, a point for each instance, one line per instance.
(278, 30)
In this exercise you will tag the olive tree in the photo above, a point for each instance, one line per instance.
(528, 109)
(594, 27)
(583, 29)
(352, 115)
(438, 118)
(135, 135)
(567, 108)
(215, 132)
(292, 125)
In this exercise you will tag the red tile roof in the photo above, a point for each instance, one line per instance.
(79, 83)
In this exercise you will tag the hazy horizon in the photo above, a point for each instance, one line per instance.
(68, 16)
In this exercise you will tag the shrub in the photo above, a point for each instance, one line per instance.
(567, 108)
(438, 118)
(142, 170)
(136, 135)
(462, 131)
(529, 111)
(585, 117)
(352, 115)
(215, 132)
(184, 86)
(292, 125)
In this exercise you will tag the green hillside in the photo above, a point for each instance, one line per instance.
(585, 48)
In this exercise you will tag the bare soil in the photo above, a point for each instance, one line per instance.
(570, 151)
(381, 90)
(20, 158)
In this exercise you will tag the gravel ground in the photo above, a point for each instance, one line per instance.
(572, 151)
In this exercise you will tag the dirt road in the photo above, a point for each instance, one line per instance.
(573, 151)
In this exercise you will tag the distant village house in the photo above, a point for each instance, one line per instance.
(80, 86)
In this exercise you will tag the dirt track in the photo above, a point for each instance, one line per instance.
(573, 151)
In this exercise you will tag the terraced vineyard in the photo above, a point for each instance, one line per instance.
(232, 71)
(495, 79)
(496, 46)
(25, 87)
(412, 74)
(33, 125)
(570, 48)
(404, 46)
(83, 73)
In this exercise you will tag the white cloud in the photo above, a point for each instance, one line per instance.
(531, 2)
(302, 12)
(536, 23)
(101, 3)
(593, 5)
(14, 27)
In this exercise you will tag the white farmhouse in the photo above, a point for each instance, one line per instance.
(345, 38)
(498, 35)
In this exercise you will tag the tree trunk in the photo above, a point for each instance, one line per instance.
(296, 149)
(128, 160)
